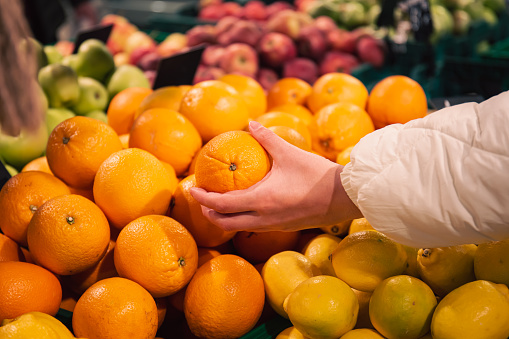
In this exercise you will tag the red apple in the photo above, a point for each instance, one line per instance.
(371, 51)
(205, 3)
(149, 61)
(336, 61)
(212, 12)
(267, 77)
(312, 43)
(151, 76)
(138, 53)
(255, 10)
(212, 55)
(325, 24)
(204, 73)
(342, 40)
(173, 43)
(240, 58)
(225, 24)
(233, 9)
(289, 22)
(304, 5)
(244, 31)
(138, 40)
(276, 7)
(201, 34)
(302, 68)
(65, 47)
(121, 59)
(276, 48)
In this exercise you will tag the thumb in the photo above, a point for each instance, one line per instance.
(268, 139)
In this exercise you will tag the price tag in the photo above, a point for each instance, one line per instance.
(178, 69)
(4, 175)
(99, 32)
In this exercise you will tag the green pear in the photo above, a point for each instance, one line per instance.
(60, 84)
(93, 96)
(20, 150)
(98, 115)
(94, 60)
(126, 76)
(55, 116)
(70, 61)
(53, 54)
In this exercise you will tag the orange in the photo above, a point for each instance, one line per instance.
(161, 305)
(288, 91)
(27, 287)
(338, 126)
(224, 299)
(332, 88)
(343, 157)
(158, 253)
(231, 161)
(192, 166)
(115, 308)
(214, 107)
(298, 110)
(168, 97)
(132, 183)
(38, 164)
(258, 247)
(10, 250)
(291, 136)
(338, 229)
(21, 196)
(84, 192)
(77, 147)
(174, 180)
(250, 90)
(123, 107)
(186, 210)
(168, 135)
(396, 99)
(270, 119)
(124, 139)
(105, 268)
(68, 234)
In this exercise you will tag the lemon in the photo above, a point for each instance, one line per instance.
(282, 273)
(362, 333)
(412, 266)
(322, 307)
(446, 268)
(343, 157)
(478, 309)
(290, 333)
(491, 262)
(363, 320)
(338, 229)
(361, 224)
(363, 259)
(401, 307)
(319, 250)
(34, 325)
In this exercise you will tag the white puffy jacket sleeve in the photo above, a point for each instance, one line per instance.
(438, 181)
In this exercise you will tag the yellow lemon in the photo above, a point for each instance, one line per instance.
(322, 307)
(343, 157)
(412, 266)
(363, 320)
(361, 224)
(401, 307)
(290, 333)
(478, 309)
(338, 229)
(491, 262)
(364, 259)
(362, 333)
(319, 250)
(446, 268)
(282, 273)
(34, 325)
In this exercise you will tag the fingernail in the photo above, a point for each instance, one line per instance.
(254, 125)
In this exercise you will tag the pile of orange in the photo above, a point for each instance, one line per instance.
(106, 219)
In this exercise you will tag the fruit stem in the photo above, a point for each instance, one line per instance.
(70, 220)
(233, 167)
(182, 261)
(426, 252)
(33, 208)
(65, 140)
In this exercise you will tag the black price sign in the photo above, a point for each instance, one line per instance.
(99, 32)
(178, 69)
(4, 175)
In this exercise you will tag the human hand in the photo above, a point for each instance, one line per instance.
(302, 190)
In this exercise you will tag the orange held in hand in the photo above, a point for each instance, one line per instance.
(68, 234)
(396, 99)
(27, 287)
(224, 299)
(231, 161)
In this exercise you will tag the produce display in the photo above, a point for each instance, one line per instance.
(98, 222)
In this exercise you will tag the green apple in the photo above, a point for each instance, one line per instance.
(38, 50)
(54, 116)
(99, 115)
(94, 60)
(60, 84)
(70, 61)
(53, 54)
(93, 96)
(42, 96)
(126, 76)
(20, 150)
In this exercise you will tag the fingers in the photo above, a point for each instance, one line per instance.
(268, 139)
(235, 222)
(229, 202)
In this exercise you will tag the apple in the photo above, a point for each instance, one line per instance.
(204, 73)
(23, 148)
(65, 47)
(149, 62)
(120, 33)
(289, 22)
(233, 9)
(93, 96)
(267, 77)
(225, 24)
(55, 116)
(325, 24)
(342, 40)
(240, 58)
(98, 115)
(173, 43)
(255, 10)
(70, 61)
(53, 54)
(443, 22)
(212, 55)
(125, 76)
(371, 51)
(121, 59)
(244, 31)
(212, 12)
(139, 53)
(276, 7)
(137, 40)
(94, 60)
(151, 75)
(205, 3)
(351, 14)
(60, 84)
(302, 68)
(311, 43)
(201, 34)
(276, 48)
(336, 61)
